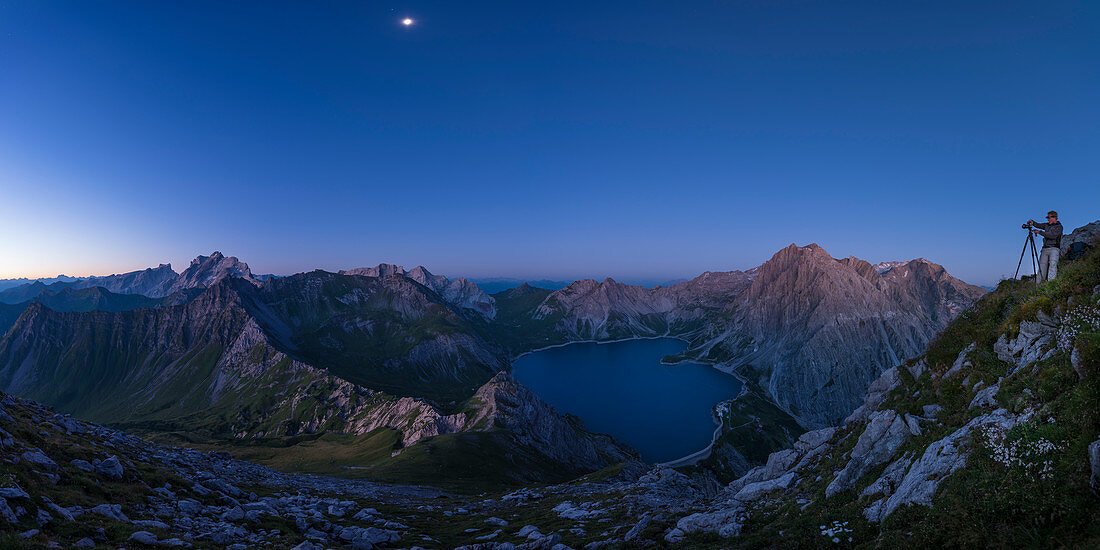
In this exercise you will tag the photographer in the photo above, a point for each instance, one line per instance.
(1052, 241)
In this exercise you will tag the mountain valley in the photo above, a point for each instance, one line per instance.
(402, 376)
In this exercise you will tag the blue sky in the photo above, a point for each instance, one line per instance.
(639, 140)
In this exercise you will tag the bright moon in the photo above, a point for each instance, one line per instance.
(407, 21)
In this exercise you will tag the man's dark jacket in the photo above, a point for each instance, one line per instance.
(1052, 234)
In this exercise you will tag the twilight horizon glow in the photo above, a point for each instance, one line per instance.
(526, 141)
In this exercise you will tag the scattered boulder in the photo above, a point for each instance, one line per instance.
(62, 512)
(113, 511)
(1088, 234)
(569, 510)
(67, 423)
(110, 468)
(6, 440)
(918, 368)
(726, 523)
(144, 537)
(83, 465)
(189, 507)
(39, 459)
(368, 536)
(986, 398)
(528, 530)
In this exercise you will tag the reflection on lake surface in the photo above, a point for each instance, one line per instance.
(622, 389)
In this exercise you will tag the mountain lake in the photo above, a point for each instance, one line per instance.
(622, 389)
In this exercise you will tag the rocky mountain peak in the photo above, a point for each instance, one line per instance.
(380, 270)
(521, 290)
(207, 270)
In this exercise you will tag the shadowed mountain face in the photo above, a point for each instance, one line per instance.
(389, 333)
(296, 355)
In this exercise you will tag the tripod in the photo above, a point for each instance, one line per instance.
(1034, 256)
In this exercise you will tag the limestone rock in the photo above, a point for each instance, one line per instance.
(726, 523)
(940, 459)
(1088, 234)
(13, 492)
(885, 432)
(113, 511)
(638, 527)
(39, 459)
(890, 478)
(986, 397)
(68, 424)
(144, 537)
(1094, 464)
(961, 361)
(1034, 340)
(756, 490)
(110, 468)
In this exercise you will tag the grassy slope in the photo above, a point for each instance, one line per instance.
(986, 504)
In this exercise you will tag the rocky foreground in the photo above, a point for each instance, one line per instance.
(68, 483)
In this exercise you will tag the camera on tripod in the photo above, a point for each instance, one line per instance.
(1029, 242)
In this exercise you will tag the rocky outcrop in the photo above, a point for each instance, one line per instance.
(504, 404)
(1031, 344)
(728, 512)
(1088, 234)
(938, 461)
(886, 431)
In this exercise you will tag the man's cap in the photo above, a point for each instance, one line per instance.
(1052, 214)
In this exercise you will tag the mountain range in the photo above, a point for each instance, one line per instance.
(986, 438)
(218, 353)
